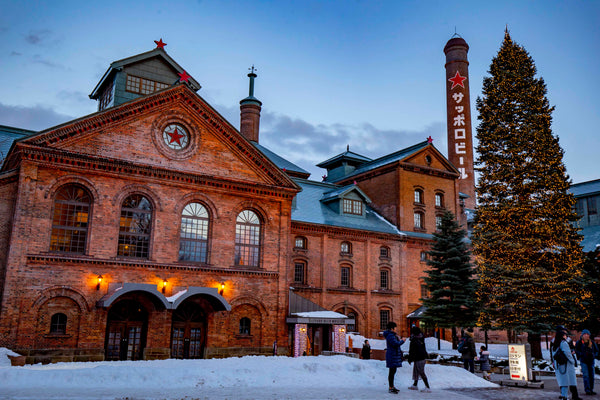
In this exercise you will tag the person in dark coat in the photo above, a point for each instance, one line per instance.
(469, 353)
(586, 351)
(365, 353)
(484, 362)
(417, 354)
(393, 353)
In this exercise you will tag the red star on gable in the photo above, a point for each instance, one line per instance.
(457, 80)
(175, 136)
(160, 44)
(429, 139)
(184, 76)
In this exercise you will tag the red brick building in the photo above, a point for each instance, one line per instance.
(154, 228)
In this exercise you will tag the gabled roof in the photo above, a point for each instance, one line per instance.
(282, 163)
(348, 156)
(8, 135)
(340, 192)
(310, 209)
(118, 65)
(585, 188)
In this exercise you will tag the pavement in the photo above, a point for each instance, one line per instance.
(550, 391)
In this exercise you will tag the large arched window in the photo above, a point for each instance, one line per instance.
(58, 324)
(193, 243)
(70, 219)
(247, 239)
(135, 227)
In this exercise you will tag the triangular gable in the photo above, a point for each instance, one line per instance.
(430, 157)
(70, 137)
(342, 192)
(119, 64)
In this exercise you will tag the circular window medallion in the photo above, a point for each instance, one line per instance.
(175, 136)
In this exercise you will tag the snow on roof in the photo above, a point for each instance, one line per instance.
(176, 296)
(320, 314)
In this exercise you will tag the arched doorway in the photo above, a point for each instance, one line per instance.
(127, 325)
(188, 333)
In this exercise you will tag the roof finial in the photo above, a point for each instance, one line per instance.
(455, 33)
(160, 44)
(251, 75)
(347, 147)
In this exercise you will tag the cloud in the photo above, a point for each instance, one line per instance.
(33, 118)
(38, 37)
(39, 60)
(15, 53)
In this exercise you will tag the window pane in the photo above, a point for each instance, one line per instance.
(58, 324)
(70, 219)
(418, 220)
(345, 277)
(245, 326)
(247, 239)
(384, 318)
(383, 276)
(193, 242)
(135, 227)
(384, 252)
(299, 272)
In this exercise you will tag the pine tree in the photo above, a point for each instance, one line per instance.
(525, 244)
(450, 280)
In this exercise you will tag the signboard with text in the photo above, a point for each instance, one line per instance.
(519, 362)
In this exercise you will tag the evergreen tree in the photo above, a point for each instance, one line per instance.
(526, 246)
(450, 280)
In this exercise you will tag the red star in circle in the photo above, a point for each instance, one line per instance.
(184, 76)
(457, 80)
(175, 136)
(160, 44)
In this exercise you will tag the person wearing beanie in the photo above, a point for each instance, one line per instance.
(565, 373)
(417, 354)
(586, 351)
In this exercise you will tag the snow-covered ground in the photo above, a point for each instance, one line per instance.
(253, 377)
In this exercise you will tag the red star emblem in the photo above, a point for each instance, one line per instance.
(184, 76)
(175, 136)
(160, 44)
(457, 80)
(429, 139)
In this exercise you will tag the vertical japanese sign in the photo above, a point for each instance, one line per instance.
(519, 362)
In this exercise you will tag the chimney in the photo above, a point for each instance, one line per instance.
(250, 112)
(458, 103)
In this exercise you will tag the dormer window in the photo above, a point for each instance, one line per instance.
(354, 207)
(139, 85)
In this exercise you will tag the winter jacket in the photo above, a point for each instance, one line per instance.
(366, 352)
(484, 360)
(393, 353)
(585, 352)
(565, 374)
(417, 350)
(470, 353)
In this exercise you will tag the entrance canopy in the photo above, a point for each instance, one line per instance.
(212, 295)
(319, 317)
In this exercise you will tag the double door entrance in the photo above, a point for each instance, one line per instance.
(188, 335)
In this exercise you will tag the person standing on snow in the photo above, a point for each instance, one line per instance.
(469, 353)
(366, 351)
(393, 353)
(586, 351)
(484, 361)
(565, 373)
(417, 353)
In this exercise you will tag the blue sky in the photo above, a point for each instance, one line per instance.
(369, 74)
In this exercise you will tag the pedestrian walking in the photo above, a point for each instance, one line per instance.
(417, 354)
(564, 364)
(468, 351)
(393, 353)
(484, 362)
(365, 353)
(587, 351)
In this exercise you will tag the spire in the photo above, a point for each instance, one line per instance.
(250, 111)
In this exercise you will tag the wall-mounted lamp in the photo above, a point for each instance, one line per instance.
(164, 286)
(99, 282)
(342, 330)
(302, 329)
(222, 289)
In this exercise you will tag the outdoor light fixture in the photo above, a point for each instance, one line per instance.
(164, 286)
(222, 289)
(99, 282)
(342, 330)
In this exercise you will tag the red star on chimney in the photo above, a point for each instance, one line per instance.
(160, 44)
(457, 80)
(183, 77)
(175, 136)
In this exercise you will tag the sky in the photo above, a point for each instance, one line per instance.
(252, 377)
(365, 74)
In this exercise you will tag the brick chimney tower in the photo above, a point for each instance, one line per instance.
(250, 112)
(458, 103)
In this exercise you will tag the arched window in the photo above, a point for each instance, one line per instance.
(346, 248)
(384, 252)
(299, 272)
(439, 200)
(70, 219)
(419, 219)
(193, 243)
(300, 243)
(135, 227)
(247, 239)
(384, 279)
(58, 324)
(419, 196)
(245, 326)
(345, 276)
(384, 318)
